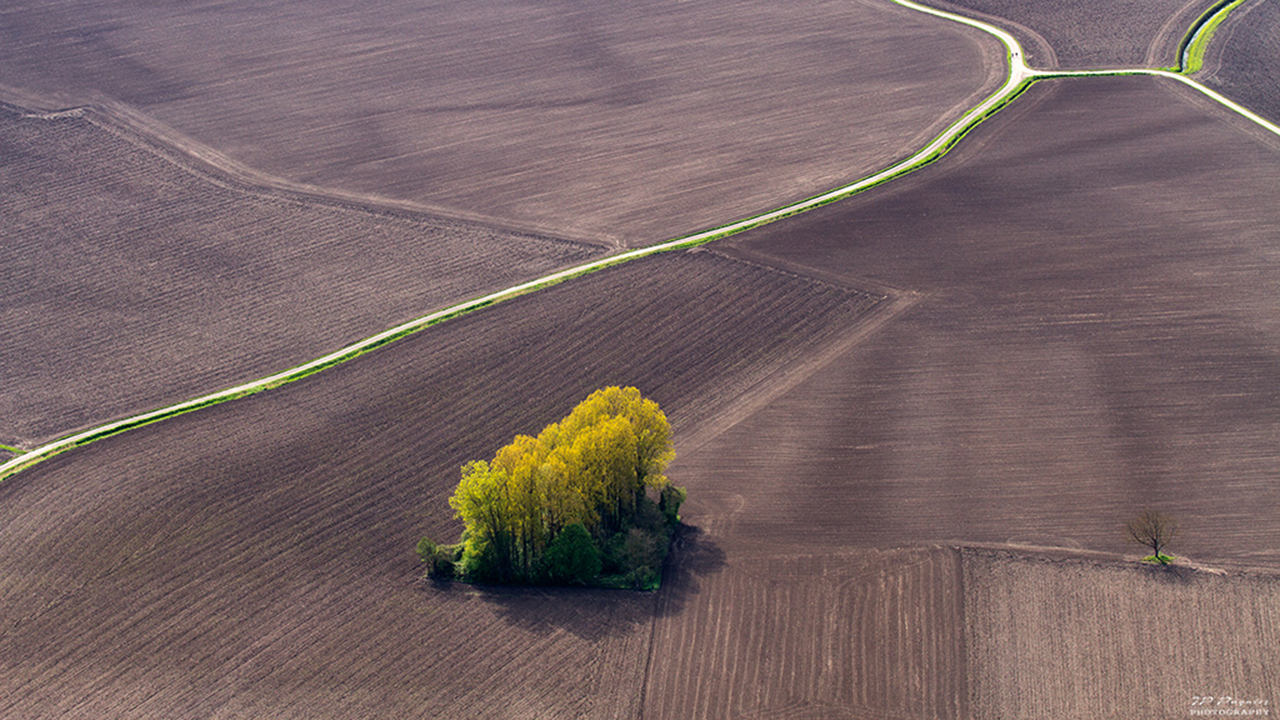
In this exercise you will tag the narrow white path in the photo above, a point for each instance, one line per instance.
(1019, 75)
(1206, 90)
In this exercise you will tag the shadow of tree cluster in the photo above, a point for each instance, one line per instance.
(595, 613)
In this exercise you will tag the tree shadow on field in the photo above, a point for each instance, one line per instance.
(595, 614)
(592, 614)
(1169, 574)
(694, 555)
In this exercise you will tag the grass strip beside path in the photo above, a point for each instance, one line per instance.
(1193, 46)
(1020, 76)
(1214, 95)
(938, 147)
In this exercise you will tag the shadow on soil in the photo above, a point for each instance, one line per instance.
(595, 614)
(1175, 574)
(694, 555)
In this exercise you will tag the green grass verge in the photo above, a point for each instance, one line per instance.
(1194, 44)
(933, 151)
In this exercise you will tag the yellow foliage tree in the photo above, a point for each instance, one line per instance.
(594, 468)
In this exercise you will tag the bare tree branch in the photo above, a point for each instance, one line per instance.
(1153, 529)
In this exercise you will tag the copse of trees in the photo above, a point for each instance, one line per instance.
(584, 502)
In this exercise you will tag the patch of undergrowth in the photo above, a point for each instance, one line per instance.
(583, 503)
(1160, 559)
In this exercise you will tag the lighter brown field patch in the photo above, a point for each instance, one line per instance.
(1077, 637)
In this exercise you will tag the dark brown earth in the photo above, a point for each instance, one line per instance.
(1080, 319)
(1096, 331)
(631, 122)
(133, 281)
(1073, 315)
(1243, 60)
(255, 558)
(1089, 327)
(873, 633)
(1090, 34)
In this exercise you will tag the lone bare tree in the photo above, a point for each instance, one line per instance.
(1155, 530)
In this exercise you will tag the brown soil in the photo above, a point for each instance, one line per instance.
(1090, 34)
(133, 281)
(835, 635)
(1074, 315)
(1074, 637)
(1096, 331)
(255, 558)
(1244, 58)
(632, 121)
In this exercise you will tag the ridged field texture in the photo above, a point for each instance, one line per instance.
(255, 559)
(1243, 61)
(631, 121)
(1070, 637)
(1097, 329)
(835, 635)
(1090, 34)
(132, 280)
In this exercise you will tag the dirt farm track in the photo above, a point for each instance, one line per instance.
(911, 423)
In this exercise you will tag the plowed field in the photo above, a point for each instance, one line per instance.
(1097, 330)
(1073, 315)
(1091, 34)
(1243, 60)
(1078, 638)
(836, 635)
(632, 121)
(132, 280)
(255, 558)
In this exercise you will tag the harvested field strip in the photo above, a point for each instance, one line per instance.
(266, 568)
(134, 281)
(841, 635)
(1079, 638)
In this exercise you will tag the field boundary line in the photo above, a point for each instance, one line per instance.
(211, 165)
(1020, 77)
(783, 379)
(1192, 48)
(1212, 94)
(1016, 82)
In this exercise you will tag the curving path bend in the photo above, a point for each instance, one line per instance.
(1020, 76)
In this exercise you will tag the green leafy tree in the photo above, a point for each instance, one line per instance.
(440, 559)
(594, 469)
(572, 558)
